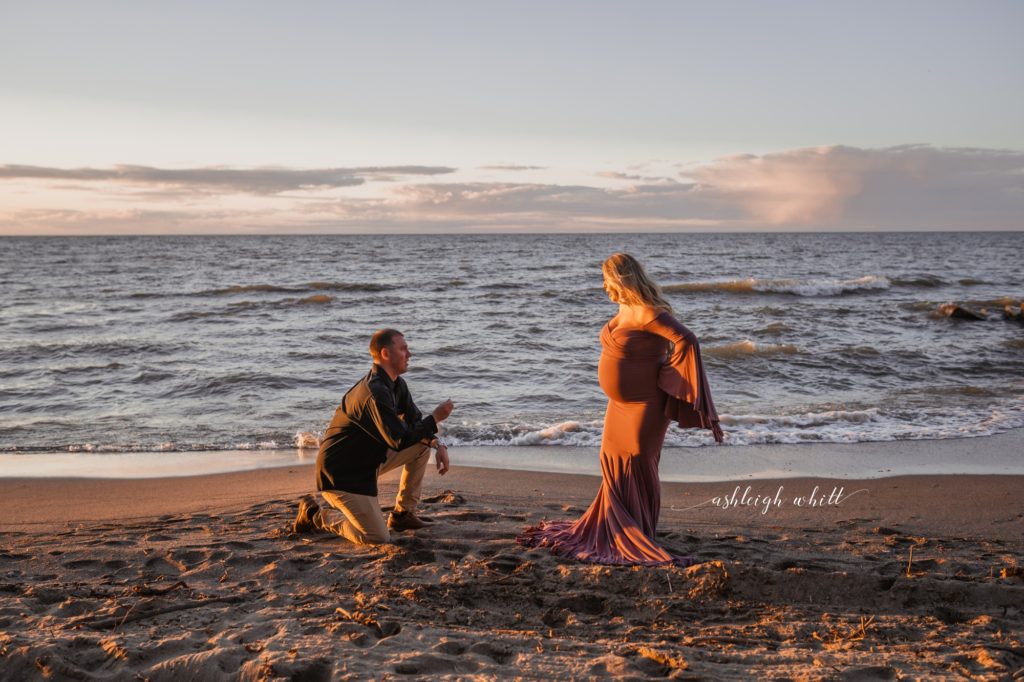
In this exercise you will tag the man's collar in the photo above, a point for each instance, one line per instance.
(379, 371)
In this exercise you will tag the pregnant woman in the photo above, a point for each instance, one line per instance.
(652, 373)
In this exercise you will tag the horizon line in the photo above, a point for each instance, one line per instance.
(1009, 230)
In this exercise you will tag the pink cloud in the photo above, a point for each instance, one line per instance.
(898, 187)
(821, 188)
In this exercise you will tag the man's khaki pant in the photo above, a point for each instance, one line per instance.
(358, 517)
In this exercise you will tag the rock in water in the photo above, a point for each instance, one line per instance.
(957, 312)
(1010, 314)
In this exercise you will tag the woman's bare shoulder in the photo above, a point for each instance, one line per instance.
(656, 315)
(667, 324)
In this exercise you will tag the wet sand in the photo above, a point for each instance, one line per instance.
(201, 578)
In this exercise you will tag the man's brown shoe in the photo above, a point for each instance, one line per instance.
(405, 520)
(308, 509)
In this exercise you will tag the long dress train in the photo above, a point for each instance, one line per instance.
(646, 389)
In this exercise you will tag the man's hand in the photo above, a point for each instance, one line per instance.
(442, 411)
(441, 459)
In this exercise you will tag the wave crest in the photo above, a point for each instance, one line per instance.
(748, 347)
(305, 440)
(793, 287)
(844, 424)
(245, 289)
(297, 288)
(926, 281)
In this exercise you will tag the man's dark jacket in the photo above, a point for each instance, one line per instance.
(376, 415)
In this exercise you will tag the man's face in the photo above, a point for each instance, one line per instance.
(396, 356)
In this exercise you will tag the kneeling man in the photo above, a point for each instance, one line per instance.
(375, 429)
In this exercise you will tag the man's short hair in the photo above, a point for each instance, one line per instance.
(381, 339)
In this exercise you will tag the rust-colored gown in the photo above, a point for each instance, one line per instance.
(646, 389)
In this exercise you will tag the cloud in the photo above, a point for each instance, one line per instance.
(631, 177)
(821, 188)
(512, 167)
(833, 187)
(127, 221)
(910, 186)
(262, 181)
(538, 206)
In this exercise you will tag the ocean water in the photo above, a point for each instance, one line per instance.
(128, 344)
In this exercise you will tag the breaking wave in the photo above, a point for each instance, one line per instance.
(826, 426)
(793, 287)
(748, 348)
(363, 287)
(816, 426)
(298, 288)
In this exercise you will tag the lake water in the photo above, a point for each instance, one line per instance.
(129, 344)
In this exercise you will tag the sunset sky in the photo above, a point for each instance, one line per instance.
(253, 117)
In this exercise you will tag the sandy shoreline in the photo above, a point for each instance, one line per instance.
(978, 506)
(200, 578)
(993, 454)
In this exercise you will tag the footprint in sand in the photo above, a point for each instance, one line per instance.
(187, 559)
(112, 543)
(361, 639)
(506, 563)
(926, 564)
(106, 526)
(421, 556)
(555, 617)
(416, 551)
(949, 615)
(46, 595)
(450, 647)
(612, 665)
(432, 664)
(78, 564)
(788, 563)
(448, 497)
(499, 653)
(319, 670)
(73, 607)
(452, 553)
(874, 673)
(478, 516)
(203, 665)
(586, 603)
(159, 565)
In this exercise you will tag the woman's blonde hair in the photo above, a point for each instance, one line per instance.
(625, 274)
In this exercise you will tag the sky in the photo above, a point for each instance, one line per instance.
(318, 117)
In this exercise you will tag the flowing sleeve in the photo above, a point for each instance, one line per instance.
(682, 377)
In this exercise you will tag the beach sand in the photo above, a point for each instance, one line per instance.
(201, 578)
